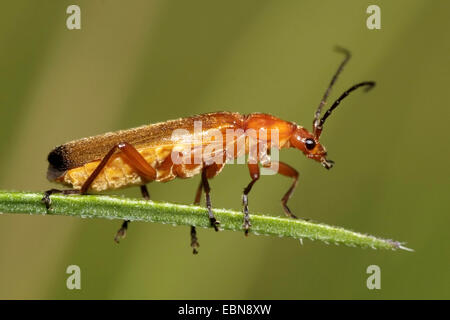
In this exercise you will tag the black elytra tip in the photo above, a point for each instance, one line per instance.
(58, 163)
(58, 158)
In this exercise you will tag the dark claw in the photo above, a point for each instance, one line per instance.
(246, 230)
(293, 216)
(194, 240)
(194, 246)
(246, 225)
(122, 232)
(47, 201)
(214, 223)
(287, 210)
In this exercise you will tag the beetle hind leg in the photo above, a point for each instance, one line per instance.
(48, 201)
(134, 159)
(122, 232)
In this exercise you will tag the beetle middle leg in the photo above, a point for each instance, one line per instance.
(283, 169)
(194, 240)
(122, 232)
(254, 174)
(205, 183)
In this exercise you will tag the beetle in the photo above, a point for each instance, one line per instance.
(141, 155)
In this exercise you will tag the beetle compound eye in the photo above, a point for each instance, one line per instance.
(310, 144)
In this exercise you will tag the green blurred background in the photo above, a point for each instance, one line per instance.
(140, 62)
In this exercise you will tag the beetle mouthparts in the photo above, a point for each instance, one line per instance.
(327, 164)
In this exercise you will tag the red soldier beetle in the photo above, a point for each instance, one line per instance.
(145, 154)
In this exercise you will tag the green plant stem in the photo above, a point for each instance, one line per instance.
(95, 206)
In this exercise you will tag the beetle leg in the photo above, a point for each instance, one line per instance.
(144, 192)
(254, 174)
(212, 219)
(198, 195)
(194, 240)
(134, 159)
(48, 201)
(140, 165)
(122, 232)
(286, 170)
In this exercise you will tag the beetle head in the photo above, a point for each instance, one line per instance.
(305, 141)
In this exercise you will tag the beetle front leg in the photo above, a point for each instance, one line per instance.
(287, 171)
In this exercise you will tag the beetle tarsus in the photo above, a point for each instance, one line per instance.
(122, 232)
(288, 211)
(247, 223)
(291, 215)
(254, 173)
(214, 223)
(194, 240)
(246, 226)
(47, 199)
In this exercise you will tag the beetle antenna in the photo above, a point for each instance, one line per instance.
(316, 120)
(368, 84)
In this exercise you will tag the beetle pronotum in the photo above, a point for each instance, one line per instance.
(144, 154)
